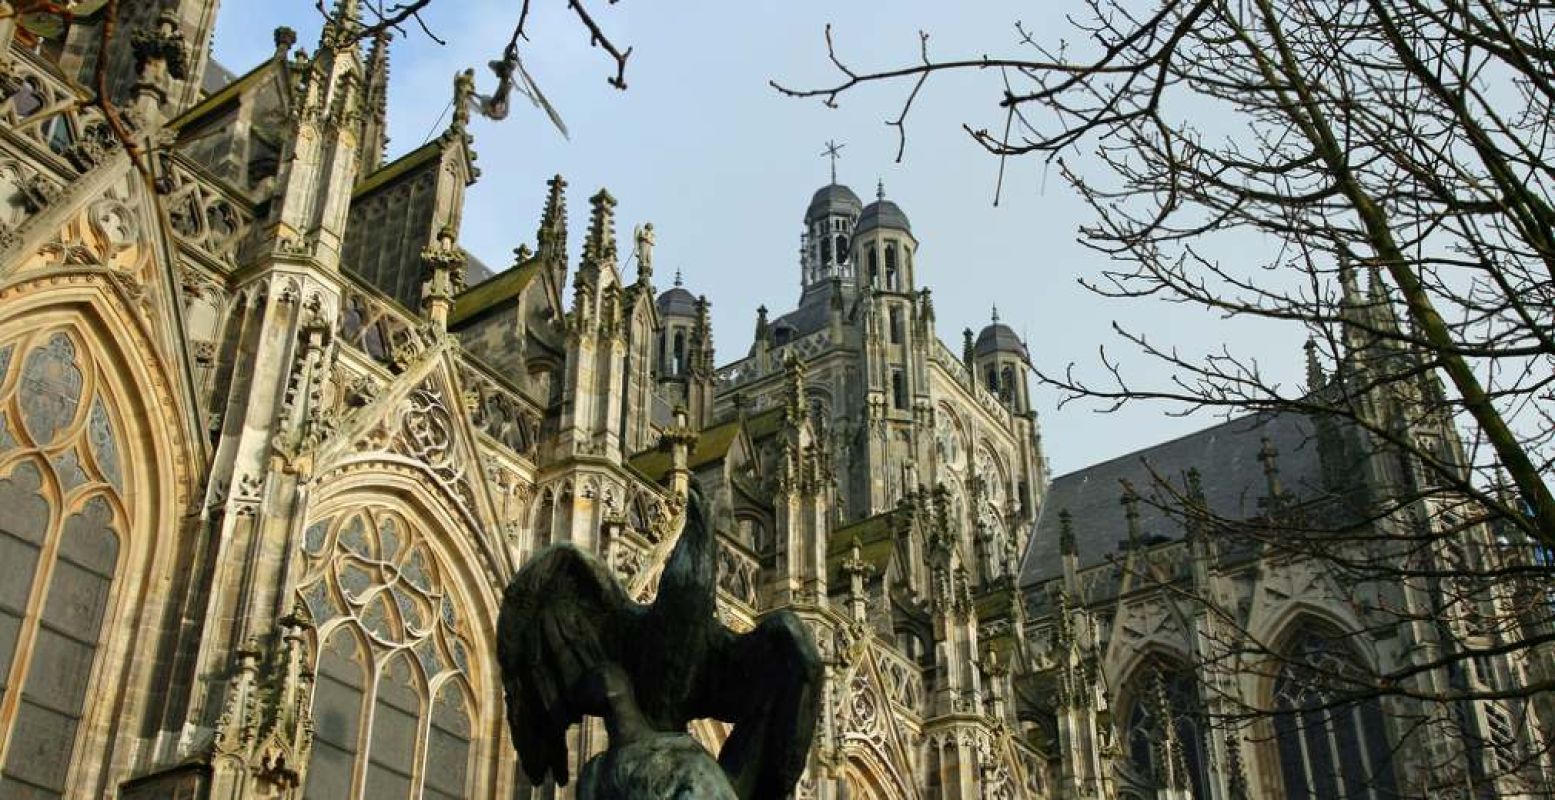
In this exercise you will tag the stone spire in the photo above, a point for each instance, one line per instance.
(701, 355)
(375, 106)
(1066, 543)
(1269, 457)
(1315, 377)
(794, 409)
(1130, 502)
(341, 26)
(600, 246)
(551, 238)
(763, 330)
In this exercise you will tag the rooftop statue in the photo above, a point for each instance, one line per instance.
(572, 644)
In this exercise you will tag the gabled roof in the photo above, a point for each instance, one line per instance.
(222, 97)
(482, 297)
(393, 170)
(876, 540)
(713, 443)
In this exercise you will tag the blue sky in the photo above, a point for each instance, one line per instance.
(723, 166)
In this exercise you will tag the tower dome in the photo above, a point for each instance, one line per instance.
(882, 214)
(833, 199)
(998, 337)
(676, 301)
(824, 248)
(1001, 364)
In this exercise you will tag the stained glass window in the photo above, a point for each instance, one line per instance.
(392, 635)
(60, 501)
(1328, 748)
(1162, 699)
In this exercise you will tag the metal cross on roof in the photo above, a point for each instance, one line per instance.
(833, 150)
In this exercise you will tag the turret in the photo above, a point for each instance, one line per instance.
(683, 351)
(883, 246)
(678, 311)
(1001, 362)
(825, 251)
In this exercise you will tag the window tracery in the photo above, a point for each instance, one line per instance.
(394, 664)
(1328, 747)
(65, 509)
(1165, 745)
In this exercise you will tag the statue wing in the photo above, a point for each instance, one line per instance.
(768, 684)
(563, 616)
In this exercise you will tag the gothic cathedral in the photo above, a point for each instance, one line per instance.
(272, 443)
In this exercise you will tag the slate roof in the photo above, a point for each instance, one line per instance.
(882, 214)
(1226, 456)
(676, 301)
(833, 198)
(999, 336)
(806, 319)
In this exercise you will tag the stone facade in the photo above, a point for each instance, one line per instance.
(271, 444)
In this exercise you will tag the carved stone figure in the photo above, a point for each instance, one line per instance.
(572, 644)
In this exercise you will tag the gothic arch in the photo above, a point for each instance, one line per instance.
(92, 438)
(1277, 625)
(1295, 747)
(1158, 693)
(383, 557)
(871, 742)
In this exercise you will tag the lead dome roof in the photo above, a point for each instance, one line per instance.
(882, 214)
(833, 198)
(999, 337)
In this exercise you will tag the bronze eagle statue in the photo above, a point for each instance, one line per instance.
(572, 644)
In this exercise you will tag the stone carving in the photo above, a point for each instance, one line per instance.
(571, 644)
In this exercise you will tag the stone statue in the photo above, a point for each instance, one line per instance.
(572, 644)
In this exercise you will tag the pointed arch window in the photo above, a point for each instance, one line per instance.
(393, 640)
(1163, 737)
(890, 267)
(64, 508)
(1328, 747)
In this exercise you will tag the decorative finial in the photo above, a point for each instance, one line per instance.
(600, 247)
(995, 314)
(880, 189)
(1314, 367)
(678, 281)
(832, 151)
(1130, 502)
(1271, 470)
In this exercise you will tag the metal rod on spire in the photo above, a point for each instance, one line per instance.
(832, 151)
